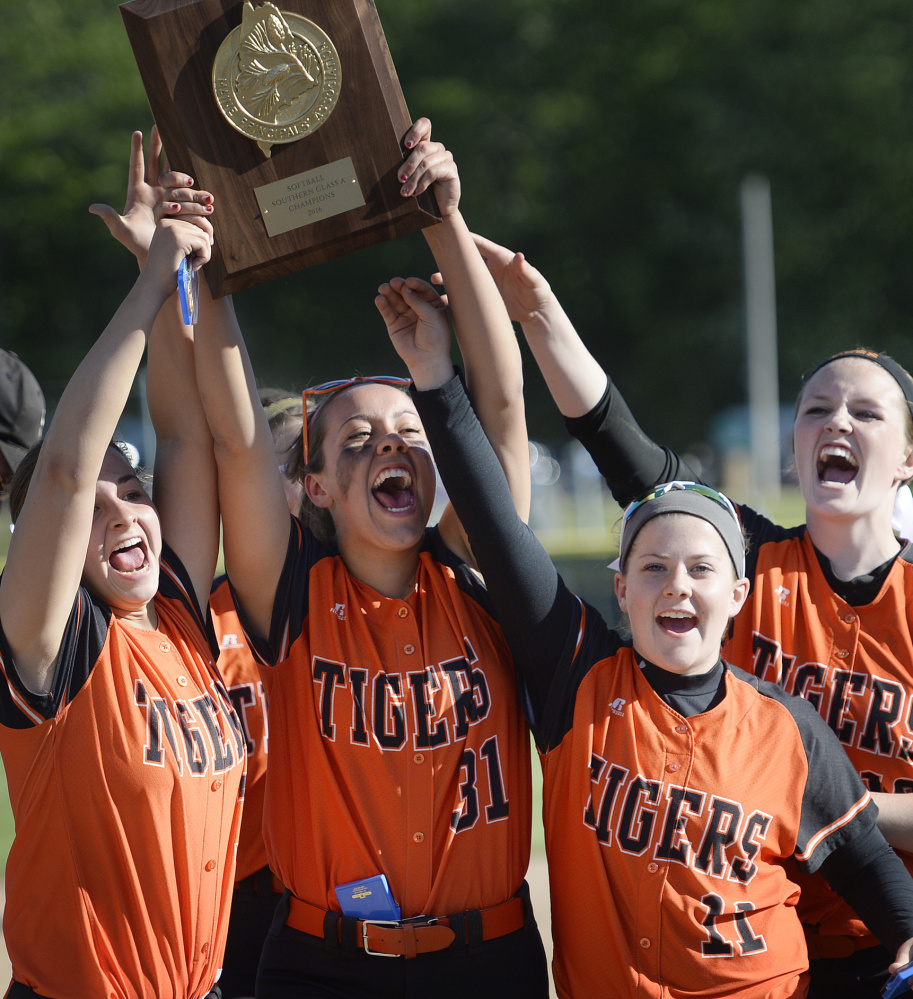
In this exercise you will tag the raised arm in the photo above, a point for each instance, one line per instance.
(574, 377)
(534, 608)
(220, 414)
(185, 485)
(255, 516)
(595, 411)
(485, 335)
(48, 549)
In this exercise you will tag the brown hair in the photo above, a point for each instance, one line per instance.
(319, 520)
(22, 477)
(282, 407)
(284, 414)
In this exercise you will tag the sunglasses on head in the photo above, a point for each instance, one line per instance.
(691, 487)
(666, 487)
(328, 388)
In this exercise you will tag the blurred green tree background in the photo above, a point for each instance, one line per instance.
(606, 140)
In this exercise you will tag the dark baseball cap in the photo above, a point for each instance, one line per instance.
(21, 409)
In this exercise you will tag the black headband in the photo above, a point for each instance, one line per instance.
(691, 498)
(895, 370)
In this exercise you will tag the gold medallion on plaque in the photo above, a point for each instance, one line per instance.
(275, 77)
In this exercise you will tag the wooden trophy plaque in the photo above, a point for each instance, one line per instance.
(291, 114)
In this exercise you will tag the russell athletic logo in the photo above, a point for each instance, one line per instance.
(339, 611)
(617, 706)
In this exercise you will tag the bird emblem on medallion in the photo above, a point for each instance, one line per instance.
(276, 76)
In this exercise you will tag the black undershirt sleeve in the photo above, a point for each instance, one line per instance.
(870, 876)
(534, 608)
(630, 462)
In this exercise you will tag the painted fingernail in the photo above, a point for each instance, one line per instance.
(405, 192)
(175, 208)
(409, 143)
(209, 208)
(190, 181)
(207, 200)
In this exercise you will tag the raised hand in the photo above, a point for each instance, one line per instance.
(419, 328)
(172, 241)
(524, 290)
(153, 192)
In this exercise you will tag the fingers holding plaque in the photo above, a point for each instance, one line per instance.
(189, 292)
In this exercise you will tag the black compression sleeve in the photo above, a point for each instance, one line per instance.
(870, 876)
(534, 608)
(630, 462)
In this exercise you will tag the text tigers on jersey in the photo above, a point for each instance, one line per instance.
(431, 707)
(870, 713)
(676, 824)
(203, 733)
